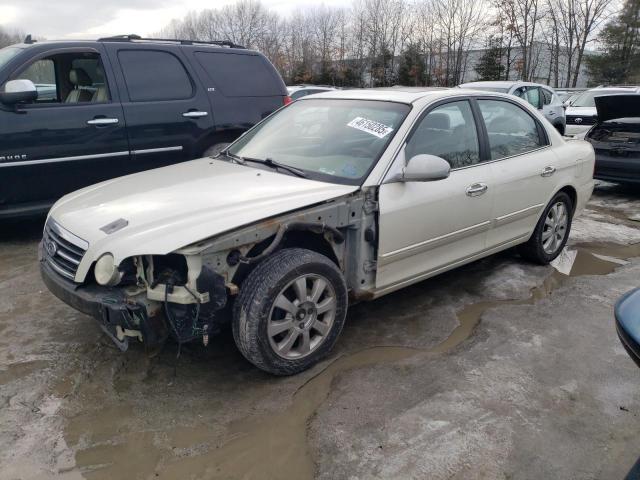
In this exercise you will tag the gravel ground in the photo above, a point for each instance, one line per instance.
(500, 369)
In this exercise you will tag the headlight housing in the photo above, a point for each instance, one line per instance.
(106, 271)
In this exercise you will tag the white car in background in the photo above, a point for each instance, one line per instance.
(338, 198)
(541, 97)
(298, 91)
(582, 114)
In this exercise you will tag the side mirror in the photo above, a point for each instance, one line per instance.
(566, 104)
(18, 91)
(425, 168)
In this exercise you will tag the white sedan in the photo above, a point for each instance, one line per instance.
(341, 197)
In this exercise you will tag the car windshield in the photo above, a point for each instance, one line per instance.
(7, 54)
(331, 140)
(587, 99)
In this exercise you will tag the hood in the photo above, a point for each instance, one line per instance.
(171, 207)
(611, 107)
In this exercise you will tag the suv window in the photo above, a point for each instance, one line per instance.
(154, 75)
(447, 131)
(546, 96)
(68, 78)
(239, 75)
(511, 130)
(532, 95)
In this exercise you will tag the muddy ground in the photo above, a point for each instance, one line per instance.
(500, 369)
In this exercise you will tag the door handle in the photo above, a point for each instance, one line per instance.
(476, 189)
(195, 114)
(102, 121)
(548, 171)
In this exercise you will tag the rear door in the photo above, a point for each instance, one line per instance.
(166, 108)
(524, 169)
(426, 227)
(73, 135)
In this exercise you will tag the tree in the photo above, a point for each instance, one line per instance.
(490, 65)
(619, 61)
(9, 38)
(412, 67)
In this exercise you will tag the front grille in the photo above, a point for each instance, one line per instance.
(62, 250)
(584, 120)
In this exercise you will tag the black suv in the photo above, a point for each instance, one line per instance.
(79, 112)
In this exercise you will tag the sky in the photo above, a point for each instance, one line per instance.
(63, 19)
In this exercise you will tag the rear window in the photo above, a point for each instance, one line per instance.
(154, 75)
(240, 75)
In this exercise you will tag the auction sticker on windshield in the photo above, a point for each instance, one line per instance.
(378, 129)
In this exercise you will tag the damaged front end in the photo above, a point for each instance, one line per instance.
(156, 297)
(185, 294)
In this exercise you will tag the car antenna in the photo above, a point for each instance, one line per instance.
(29, 40)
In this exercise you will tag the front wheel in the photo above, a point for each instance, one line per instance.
(552, 231)
(290, 311)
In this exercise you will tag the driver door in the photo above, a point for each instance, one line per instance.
(428, 227)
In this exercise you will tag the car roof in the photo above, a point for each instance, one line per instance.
(389, 94)
(93, 43)
(631, 88)
(502, 84)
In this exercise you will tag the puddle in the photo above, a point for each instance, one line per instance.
(274, 445)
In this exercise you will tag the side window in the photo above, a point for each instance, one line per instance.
(68, 78)
(447, 131)
(532, 95)
(511, 130)
(154, 75)
(546, 96)
(43, 74)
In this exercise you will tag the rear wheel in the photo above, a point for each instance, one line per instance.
(552, 231)
(290, 311)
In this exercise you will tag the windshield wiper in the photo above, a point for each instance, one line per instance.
(269, 162)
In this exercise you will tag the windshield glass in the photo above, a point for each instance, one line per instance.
(7, 54)
(587, 98)
(331, 140)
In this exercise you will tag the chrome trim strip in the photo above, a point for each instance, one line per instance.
(434, 242)
(518, 215)
(449, 266)
(68, 258)
(64, 159)
(156, 150)
(58, 269)
(67, 235)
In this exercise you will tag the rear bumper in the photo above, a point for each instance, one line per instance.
(109, 308)
(617, 169)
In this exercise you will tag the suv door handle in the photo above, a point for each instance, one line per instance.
(476, 189)
(548, 171)
(195, 114)
(102, 121)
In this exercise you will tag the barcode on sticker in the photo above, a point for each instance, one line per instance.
(378, 129)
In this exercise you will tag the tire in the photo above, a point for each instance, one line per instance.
(215, 149)
(542, 248)
(561, 128)
(286, 341)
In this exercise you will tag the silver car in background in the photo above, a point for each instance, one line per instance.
(542, 97)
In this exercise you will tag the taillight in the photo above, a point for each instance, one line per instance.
(287, 100)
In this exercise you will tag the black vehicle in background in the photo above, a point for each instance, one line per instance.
(616, 138)
(79, 112)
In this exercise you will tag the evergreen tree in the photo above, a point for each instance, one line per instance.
(490, 65)
(411, 71)
(619, 61)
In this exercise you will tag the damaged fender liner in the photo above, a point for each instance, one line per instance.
(108, 307)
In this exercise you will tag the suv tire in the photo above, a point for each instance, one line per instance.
(551, 233)
(290, 311)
